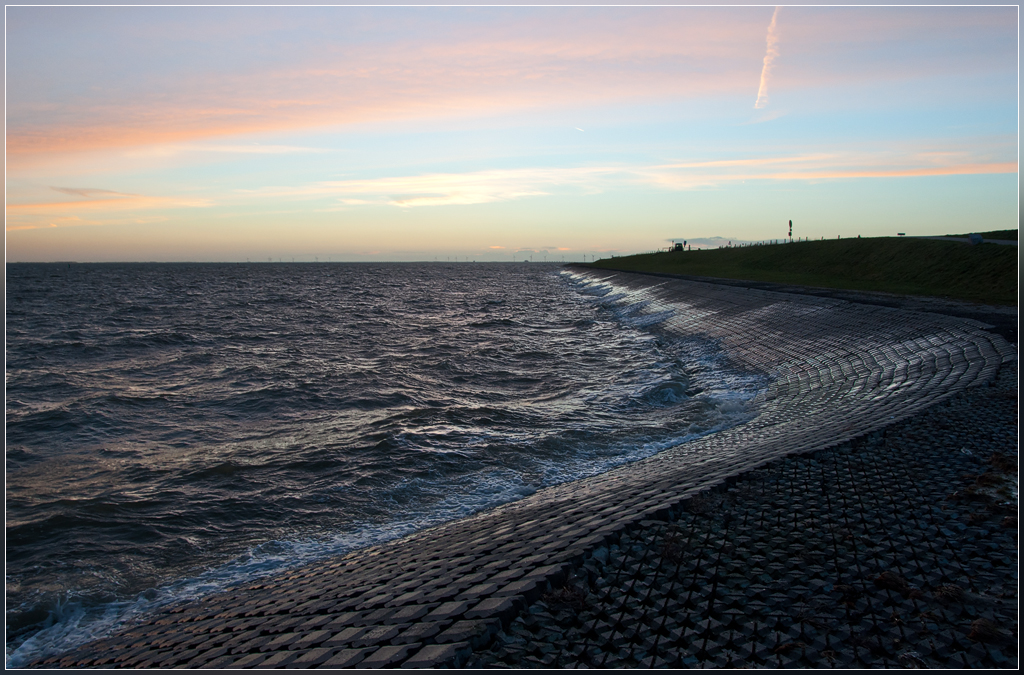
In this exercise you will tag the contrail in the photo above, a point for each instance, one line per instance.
(769, 56)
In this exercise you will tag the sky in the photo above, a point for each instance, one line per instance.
(499, 133)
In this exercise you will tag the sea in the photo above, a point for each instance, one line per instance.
(175, 429)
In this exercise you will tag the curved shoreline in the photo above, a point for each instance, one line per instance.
(839, 371)
(1000, 319)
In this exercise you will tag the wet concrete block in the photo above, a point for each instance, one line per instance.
(279, 642)
(280, 659)
(247, 661)
(529, 588)
(311, 639)
(377, 635)
(554, 573)
(447, 610)
(389, 656)
(500, 608)
(451, 655)
(209, 655)
(443, 594)
(218, 663)
(478, 591)
(343, 619)
(407, 614)
(345, 658)
(506, 576)
(312, 658)
(375, 602)
(346, 636)
(476, 633)
(420, 632)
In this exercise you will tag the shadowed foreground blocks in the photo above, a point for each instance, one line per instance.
(835, 554)
(896, 550)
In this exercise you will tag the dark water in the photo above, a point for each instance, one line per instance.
(174, 429)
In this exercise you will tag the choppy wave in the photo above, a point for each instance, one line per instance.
(176, 429)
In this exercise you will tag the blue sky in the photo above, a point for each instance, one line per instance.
(233, 133)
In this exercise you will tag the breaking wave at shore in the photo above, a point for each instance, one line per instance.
(177, 429)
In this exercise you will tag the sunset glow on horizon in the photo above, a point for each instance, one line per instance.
(490, 133)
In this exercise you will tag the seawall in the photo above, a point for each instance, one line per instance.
(837, 371)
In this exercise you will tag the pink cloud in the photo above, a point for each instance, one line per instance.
(539, 59)
(482, 187)
(823, 166)
(347, 66)
(104, 205)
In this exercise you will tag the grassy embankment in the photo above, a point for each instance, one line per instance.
(985, 273)
(1005, 235)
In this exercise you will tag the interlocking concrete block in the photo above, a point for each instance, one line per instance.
(345, 658)
(553, 573)
(317, 606)
(477, 633)
(217, 663)
(448, 610)
(499, 608)
(508, 575)
(476, 578)
(412, 613)
(451, 655)
(346, 636)
(247, 661)
(533, 560)
(478, 591)
(208, 655)
(378, 616)
(311, 639)
(530, 588)
(315, 623)
(443, 594)
(375, 602)
(420, 632)
(409, 598)
(279, 642)
(342, 620)
(313, 658)
(280, 659)
(389, 656)
(378, 635)
(836, 372)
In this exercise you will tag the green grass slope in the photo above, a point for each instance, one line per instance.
(985, 273)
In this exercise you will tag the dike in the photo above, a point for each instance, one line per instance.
(838, 372)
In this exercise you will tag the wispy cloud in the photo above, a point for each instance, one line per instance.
(446, 64)
(129, 202)
(90, 192)
(450, 189)
(76, 221)
(64, 221)
(172, 150)
(482, 187)
(103, 205)
(498, 185)
(445, 189)
(822, 166)
(771, 52)
(954, 170)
